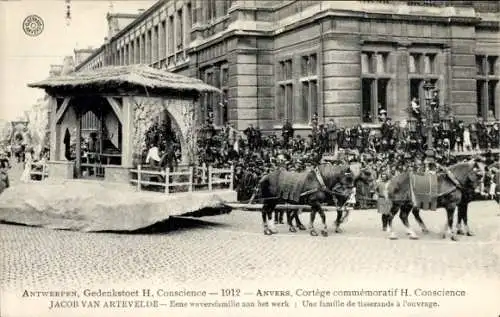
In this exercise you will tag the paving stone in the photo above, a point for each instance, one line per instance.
(233, 247)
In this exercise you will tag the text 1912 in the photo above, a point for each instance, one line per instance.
(233, 292)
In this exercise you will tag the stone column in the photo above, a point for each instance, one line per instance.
(399, 109)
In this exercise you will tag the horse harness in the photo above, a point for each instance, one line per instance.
(322, 185)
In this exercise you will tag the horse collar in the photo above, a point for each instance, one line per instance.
(320, 178)
(452, 177)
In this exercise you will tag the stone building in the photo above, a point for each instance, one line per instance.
(345, 60)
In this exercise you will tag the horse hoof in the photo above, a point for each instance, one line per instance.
(267, 232)
(292, 229)
(338, 230)
(425, 231)
(454, 238)
(273, 231)
(302, 227)
(324, 233)
(414, 237)
(470, 234)
(460, 232)
(393, 237)
(384, 229)
(314, 233)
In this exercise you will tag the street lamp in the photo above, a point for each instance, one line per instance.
(428, 93)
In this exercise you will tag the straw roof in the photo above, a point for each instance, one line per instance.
(130, 75)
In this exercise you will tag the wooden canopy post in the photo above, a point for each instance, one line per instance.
(78, 142)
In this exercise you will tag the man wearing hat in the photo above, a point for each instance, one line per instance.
(382, 113)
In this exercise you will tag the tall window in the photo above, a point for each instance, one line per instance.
(207, 107)
(125, 54)
(137, 50)
(148, 46)
(284, 94)
(421, 66)
(309, 89)
(375, 80)
(486, 86)
(225, 6)
(154, 44)
(189, 20)
(210, 10)
(142, 46)
(162, 40)
(179, 30)
(171, 35)
(224, 103)
(194, 14)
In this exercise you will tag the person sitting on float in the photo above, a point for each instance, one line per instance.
(153, 157)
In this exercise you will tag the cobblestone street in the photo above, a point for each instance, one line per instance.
(234, 247)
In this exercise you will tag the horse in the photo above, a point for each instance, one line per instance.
(312, 188)
(365, 189)
(455, 189)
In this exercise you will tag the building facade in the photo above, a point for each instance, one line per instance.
(345, 60)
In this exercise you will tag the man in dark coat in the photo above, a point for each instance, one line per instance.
(331, 128)
(250, 134)
(459, 135)
(482, 134)
(287, 132)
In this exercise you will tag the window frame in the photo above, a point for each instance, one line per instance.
(486, 78)
(311, 76)
(281, 83)
(375, 78)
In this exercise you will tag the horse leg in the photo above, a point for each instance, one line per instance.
(420, 221)
(264, 221)
(385, 221)
(298, 223)
(448, 228)
(291, 228)
(393, 212)
(268, 218)
(462, 219)
(281, 214)
(311, 223)
(324, 231)
(271, 223)
(338, 220)
(403, 215)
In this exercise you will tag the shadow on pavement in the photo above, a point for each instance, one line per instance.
(173, 223)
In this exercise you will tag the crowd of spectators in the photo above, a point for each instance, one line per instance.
(394, 147)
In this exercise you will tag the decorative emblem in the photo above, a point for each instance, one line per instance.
(33, 25)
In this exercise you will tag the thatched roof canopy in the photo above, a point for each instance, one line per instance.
(139, 76)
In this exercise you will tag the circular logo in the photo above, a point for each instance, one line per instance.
(33, 25)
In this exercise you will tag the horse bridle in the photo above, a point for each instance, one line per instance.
(323, 186)
(452, 177)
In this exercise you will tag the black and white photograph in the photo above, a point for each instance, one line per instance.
(249, 158)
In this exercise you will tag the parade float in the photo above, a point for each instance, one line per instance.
(127, 101)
